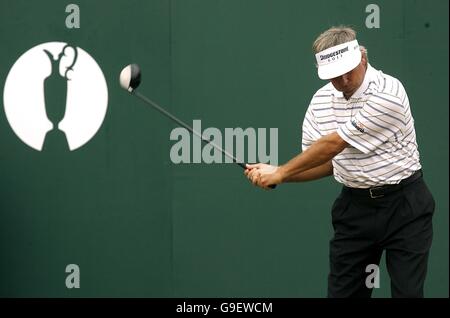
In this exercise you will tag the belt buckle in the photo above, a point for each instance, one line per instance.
(374, 196)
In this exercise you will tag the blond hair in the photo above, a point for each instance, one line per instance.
(334, 36)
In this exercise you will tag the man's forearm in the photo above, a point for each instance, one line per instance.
(320, 152)
(315, 173)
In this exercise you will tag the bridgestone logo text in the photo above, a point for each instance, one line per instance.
(327, 56)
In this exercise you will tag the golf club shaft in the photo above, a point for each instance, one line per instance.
(178, 121)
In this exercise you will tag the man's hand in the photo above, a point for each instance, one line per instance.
(263, 175)
(318, 155)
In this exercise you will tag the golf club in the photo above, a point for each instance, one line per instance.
(130, 78)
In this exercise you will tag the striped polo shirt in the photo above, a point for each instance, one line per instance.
(377, 124)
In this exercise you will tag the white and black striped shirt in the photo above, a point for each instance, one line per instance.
(378, 125)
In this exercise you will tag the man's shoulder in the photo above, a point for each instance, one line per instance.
(323, 97)
(326, 90)
(324, 93)
(382, 83)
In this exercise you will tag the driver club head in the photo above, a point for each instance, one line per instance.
(130, 77)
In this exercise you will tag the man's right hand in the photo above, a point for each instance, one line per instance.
(263, 175)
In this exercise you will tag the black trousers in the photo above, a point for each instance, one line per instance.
(399, 223)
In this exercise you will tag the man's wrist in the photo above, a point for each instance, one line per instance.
(282, 173)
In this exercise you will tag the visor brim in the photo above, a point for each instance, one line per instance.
(340, 67)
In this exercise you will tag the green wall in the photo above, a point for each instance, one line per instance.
(140, 226)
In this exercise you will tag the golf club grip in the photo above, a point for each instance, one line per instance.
(243, 165)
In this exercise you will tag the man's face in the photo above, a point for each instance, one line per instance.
(350, 82)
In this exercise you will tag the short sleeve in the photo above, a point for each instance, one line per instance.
(380, 119)
(310, 130)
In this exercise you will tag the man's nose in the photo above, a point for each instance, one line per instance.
(344, 79)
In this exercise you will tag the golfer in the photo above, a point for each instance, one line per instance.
(360, 129)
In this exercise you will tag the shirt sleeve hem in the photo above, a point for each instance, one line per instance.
(352, 142)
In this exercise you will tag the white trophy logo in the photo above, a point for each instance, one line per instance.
(55, 91)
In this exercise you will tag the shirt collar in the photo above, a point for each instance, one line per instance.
(368, 78)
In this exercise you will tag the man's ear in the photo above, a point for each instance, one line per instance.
(364, 59)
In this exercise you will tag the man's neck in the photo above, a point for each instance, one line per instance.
(347, 96)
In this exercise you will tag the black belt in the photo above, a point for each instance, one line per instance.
(381, 191)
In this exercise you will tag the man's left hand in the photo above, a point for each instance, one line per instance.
(263, 175)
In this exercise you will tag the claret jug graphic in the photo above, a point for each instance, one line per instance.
(55, 104)
(55, 97)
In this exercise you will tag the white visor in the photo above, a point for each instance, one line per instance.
(338, 60)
